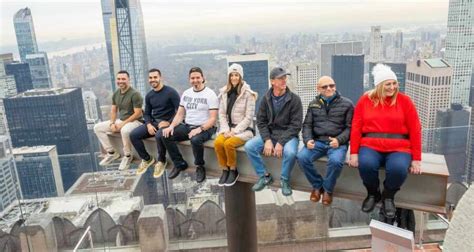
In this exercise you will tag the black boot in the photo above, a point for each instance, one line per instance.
(388, 205)
(373, 197)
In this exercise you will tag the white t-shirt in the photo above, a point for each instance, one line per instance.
(198, 104)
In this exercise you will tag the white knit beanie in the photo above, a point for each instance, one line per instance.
(236, 68)
(382, 73)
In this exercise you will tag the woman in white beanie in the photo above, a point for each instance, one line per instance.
(236, 112)
(386, 131)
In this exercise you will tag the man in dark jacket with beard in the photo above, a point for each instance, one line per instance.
(326, 131)
(279, 120)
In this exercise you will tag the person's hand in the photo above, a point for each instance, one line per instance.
(194, 132)
(278, 151)
(310, 144)
(119, 126)
(151, 129)
(168, 132)
(268, 148)
(334, 143)
(354, 160)
(163, 124)
(228, 134)
(415, 167)
(114, 129)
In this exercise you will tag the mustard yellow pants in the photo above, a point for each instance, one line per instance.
(225, 148)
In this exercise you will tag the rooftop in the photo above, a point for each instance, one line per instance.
(22, 13)
(436, 63)
(105, 181)
(44, 92)
(35, 149)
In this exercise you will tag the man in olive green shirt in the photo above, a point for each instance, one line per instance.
(128, 103)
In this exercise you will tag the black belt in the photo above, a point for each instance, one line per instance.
(385, 135)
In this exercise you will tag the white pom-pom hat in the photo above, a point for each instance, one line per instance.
(382, 73)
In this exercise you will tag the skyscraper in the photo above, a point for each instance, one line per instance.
(111, 38)
(428, 83)
(7, 86)
(306, 79)
(8, 179)
(398, 68)
(39, 68)
(376, 48)
(327, 50)
(256, 71)
(459, 48)
(450, 134)
(5, 59)
(348, 73)
(125, 36)
(48, 117)
(38, 171)
(91, 106)
(25, 33)
(22, 74)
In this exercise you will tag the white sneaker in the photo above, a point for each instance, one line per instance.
(109, 158)
(159, 169)
(125, 164)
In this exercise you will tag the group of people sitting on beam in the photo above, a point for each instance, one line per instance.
(383, 130)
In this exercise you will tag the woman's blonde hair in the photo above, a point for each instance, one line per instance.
(377, 95)
(229, 85)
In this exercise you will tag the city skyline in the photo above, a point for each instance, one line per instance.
(189, 19)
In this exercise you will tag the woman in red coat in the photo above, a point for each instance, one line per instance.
(386, 131)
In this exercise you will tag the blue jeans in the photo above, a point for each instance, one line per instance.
(396, 168)
(336, 158)
(254, 149)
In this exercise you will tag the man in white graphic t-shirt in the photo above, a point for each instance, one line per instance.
(198, 107)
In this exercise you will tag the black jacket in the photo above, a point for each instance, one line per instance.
(324, 121)
(286, 124)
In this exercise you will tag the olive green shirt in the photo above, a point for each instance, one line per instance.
(126, 102)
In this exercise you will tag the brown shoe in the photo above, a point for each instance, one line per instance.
(315, 195)
(327, 198)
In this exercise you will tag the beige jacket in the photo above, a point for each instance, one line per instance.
(242, 112)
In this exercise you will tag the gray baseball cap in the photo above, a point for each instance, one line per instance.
(278, 72)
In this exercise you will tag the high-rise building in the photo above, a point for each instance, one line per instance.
(428, 83)
(5, 59)
(256, 71)
(111, 38)
(125, 35)
(327, 50)
(348, 73)
(73, 166)
(450, 137)
(38, 171)
(460, 49)
(398, 47)
(398, 68)
(39, 68)
(48, 117)
(376, 48)
(8, 179)
(91, 106)
(25, 33)
(306, 79)
(22, 74)
(7, 86)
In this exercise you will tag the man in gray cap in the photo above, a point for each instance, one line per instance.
(279, 120)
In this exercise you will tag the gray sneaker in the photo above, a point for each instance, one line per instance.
(285, 188)
(109, 158)
(262, 182)
(125, 164)
(144, 165)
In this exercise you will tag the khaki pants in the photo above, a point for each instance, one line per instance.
(226, 150)
(103, 128)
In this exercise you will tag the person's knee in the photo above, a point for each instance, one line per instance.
(229, 144)
(249, 146)
(290, 153)
(337, 162)
(303, 156)
(196, 140)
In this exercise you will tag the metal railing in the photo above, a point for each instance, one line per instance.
(87, 233)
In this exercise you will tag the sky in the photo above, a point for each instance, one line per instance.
(72, 19)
